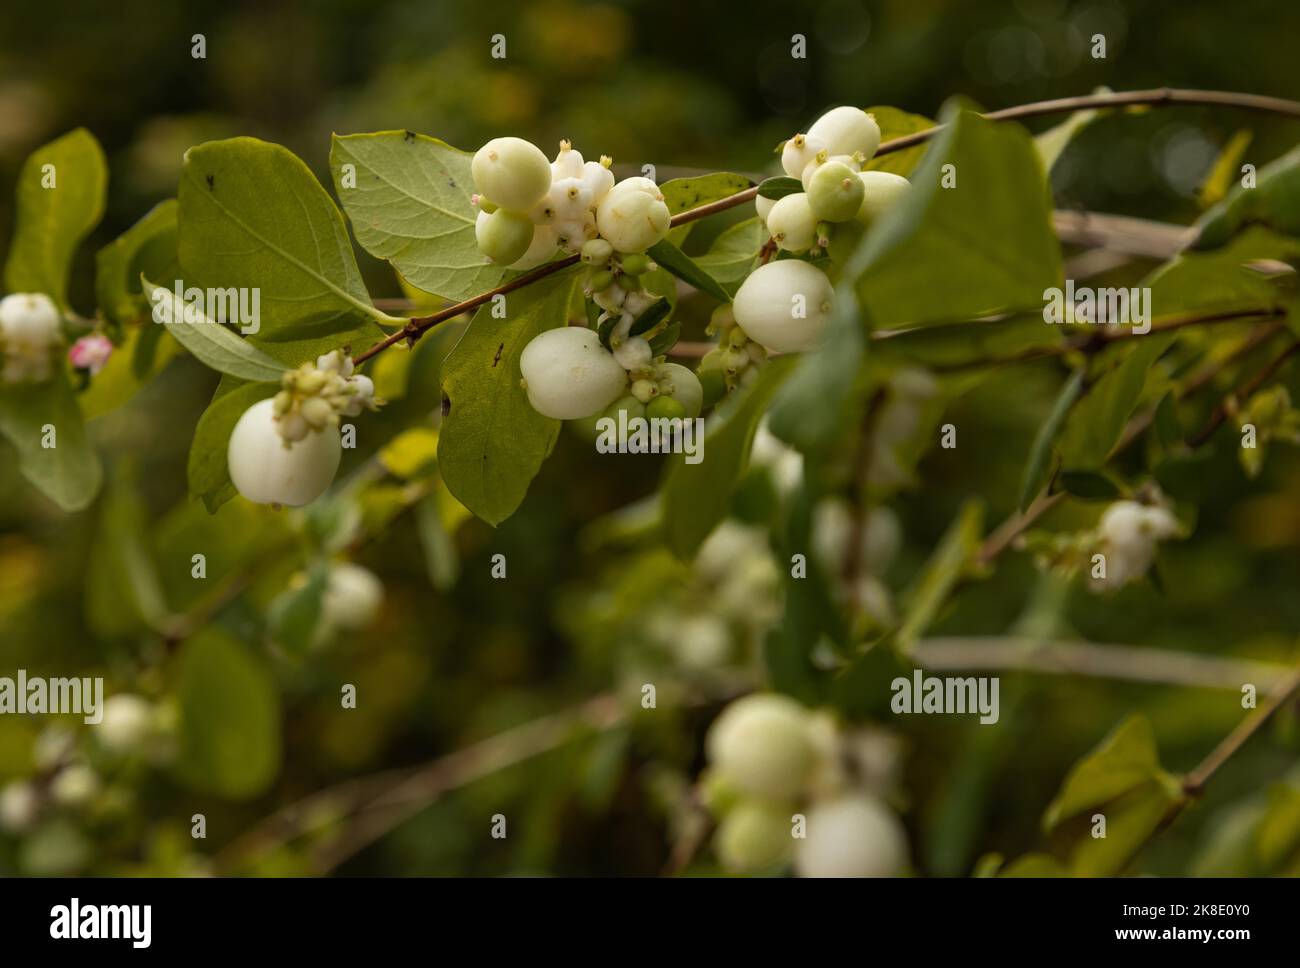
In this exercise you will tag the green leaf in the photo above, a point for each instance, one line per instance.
(696, 496)
(779, 186)
(948, 564)
(1038, 469)
(123, 593)
(1131, 819)
(665, 339)
(209, 477)
(210, 342)
(1089, 485)
(147, 248)
(230, 717)
(45, 426)
(252, 216)
(441, 561)
(294, 617)
(492, 442)
(654, 314)
(1051, 144)
(1125, 759)
(990, 234)
(1274, 202)
(411, 206)
(808, 410)
(60, 198)
(674, 260)
(897, 124)
(731, 257)
(684, 194)
(1097, 421)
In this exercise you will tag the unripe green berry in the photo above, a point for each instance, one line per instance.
(596, 252)
(665, 408)
(600, 280)
(762, 744)
(635, 263)
(754, 837)
(722, 318)
(737, 337)
(835, 192)
(629, 403)
(503, 236)
(512, 173)
(629, 283)
(713, 385)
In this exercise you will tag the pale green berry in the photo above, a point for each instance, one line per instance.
(542, 249)
(881, 191)
(798, 151)
(74, 785)
(601, 280)
(761, 743)
(835, 192)
(633, 216)
(665, 408)
(792, 223)
(503, 236)
(722, 319)
(784, 305)
(754, 837)
(568, 375)
(597, 252)
(635, 263)
(852, 836)
(266, 471)
(633, 353)
(644, 390)
(629, 404)
(687, 389)
(847, 131)
(512, 173)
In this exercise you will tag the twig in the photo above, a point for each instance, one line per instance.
(1220, 413)
(1097, 660)
(1194, 782)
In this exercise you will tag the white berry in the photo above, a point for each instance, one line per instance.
(352, 598)
(127, 721)
(798, 151)
(503, 236)
(265, 471)
(569, 375)
(633, 216)
(852, 836)
(881, 191)
(784, 305)
(687, 389)
(754, 837)
(847, 131)
(633, 353)
(792, 223)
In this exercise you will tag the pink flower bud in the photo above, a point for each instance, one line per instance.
(90, 352)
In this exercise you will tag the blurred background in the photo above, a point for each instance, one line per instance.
(460, 657)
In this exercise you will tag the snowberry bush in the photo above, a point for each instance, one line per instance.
(824, 333)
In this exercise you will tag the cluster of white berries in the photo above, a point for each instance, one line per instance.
(529, 208)
(131, 726)
(569, 374)
(1128, 535)
(30, 335)
(879, 536)
(828, 161)
(285, 450)
(771, 758)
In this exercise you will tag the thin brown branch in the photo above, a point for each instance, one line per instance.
(1242, 393)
